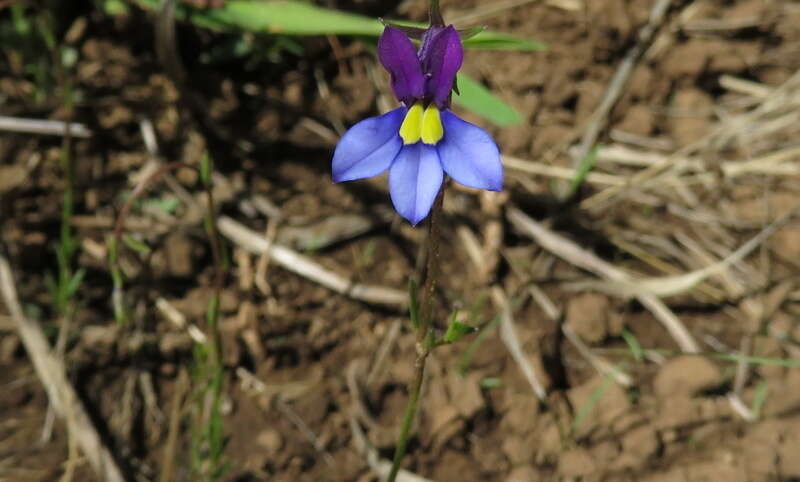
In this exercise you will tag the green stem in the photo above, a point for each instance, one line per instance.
(408, 418)
(424, 342)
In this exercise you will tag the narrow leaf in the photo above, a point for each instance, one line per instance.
(633, 344)
(297, 18)
(457, 330)
(478, 99)
(760, 396)
(584, 168)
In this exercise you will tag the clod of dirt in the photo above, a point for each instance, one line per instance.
(606, 399)
(523, 473)
(455, 466)
(178, 250)
(680, 411)
(787, 400)
(587, 315)
(638, 446)
(171, 343)
(691, 109)
(688, 59)
(576, 463)
(787, 454)
(270, 441)
(686, 375)
(754, 210)
(521, 415)
(100, 338)
(519, 449)
(770, 347)
(465, 394)
(550, 443)
(761, 444)
(639, 119)
(786, 241)
(11, 177)
(8, 348)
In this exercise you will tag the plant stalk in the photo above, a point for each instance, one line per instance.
(424, 339)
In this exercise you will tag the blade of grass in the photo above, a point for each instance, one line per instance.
(477, 98)
(286, 17)
(760, 396)
(584, 168)
(728, 357)
(587, 408)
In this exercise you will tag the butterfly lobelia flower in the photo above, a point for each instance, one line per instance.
(422, 139)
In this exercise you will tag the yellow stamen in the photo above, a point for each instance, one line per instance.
(411, 128)
(431, 129)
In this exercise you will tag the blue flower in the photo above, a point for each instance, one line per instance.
(422, 139)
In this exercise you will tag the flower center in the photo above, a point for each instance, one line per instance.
(422, 124)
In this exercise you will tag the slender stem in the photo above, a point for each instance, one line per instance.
(432, 269)
(424, 343)
(408, 418)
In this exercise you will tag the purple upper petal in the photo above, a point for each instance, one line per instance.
(369, 147)
(414, 181)
(441, 54)
(469, 155)
(399, 57)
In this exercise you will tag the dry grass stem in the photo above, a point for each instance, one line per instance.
(176, 318)
(381, 467)
(571, 252)
(175, 416)
(557, 172)
(666, 286)
(250, 381)
(616, 86)
(603, 366)
(744, 86)
(301, 265)
(378, 365)
(59, 391)
(510, 339)
(43, 127)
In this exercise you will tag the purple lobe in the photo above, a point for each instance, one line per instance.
(369, 147)
(398, 56)
(469, 155)
(414, 181)
(441, 55)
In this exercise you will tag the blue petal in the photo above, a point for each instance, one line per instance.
(414, 181)
(369, 147)
(469, 155)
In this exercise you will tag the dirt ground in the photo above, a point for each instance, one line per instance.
(699, 155)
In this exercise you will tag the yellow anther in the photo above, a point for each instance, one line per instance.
(411, 128)
(432, 130)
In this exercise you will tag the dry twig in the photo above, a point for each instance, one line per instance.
(301, 265)
(380, 467)
(617, 84)
(509, 336)
(44, 127)
(61, 394)
(576, 255)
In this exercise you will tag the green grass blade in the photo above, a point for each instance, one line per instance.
(759, 398)
(634, 345)
(588, 407)
(584, 168)
(480, 100)
(287, 17)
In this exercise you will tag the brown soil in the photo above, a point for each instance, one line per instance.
(310, 346)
